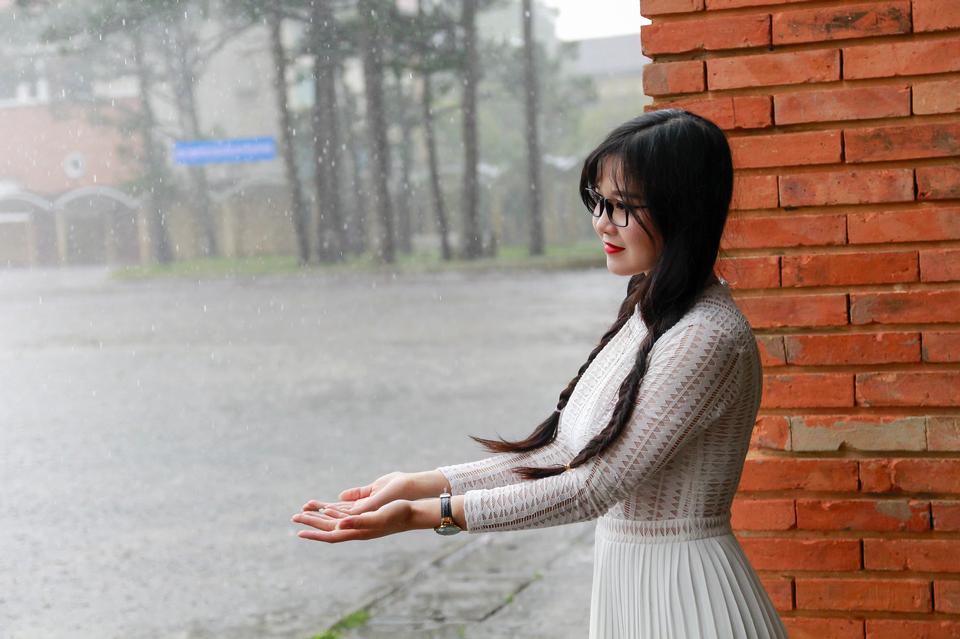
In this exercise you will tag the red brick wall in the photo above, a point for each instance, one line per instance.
(844, 252)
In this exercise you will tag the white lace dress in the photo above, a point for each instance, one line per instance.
(666, 562)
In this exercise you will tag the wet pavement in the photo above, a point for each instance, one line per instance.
(156, 436)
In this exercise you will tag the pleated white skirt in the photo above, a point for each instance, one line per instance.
(676, 579)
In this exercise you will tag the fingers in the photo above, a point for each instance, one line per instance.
(358, 522)
(334, 536)
(342, 506)
(328, 529)
(352, 494)
(316, 520)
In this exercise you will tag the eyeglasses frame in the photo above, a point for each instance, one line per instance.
(603, 202)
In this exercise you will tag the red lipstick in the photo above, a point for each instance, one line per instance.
(611, 248)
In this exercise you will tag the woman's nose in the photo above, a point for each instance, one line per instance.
(604, 224)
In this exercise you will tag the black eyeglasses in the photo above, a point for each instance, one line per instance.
(617, 212)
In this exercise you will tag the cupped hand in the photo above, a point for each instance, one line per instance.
(362, 499)
(394, 517)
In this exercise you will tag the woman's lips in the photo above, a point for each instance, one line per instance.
(612, 248)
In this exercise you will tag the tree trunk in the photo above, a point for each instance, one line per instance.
(472, 242)
(359, 220)
(404, 231)
(159, 238)
(379, 195)
(298, 210)
(184, 79)
(435, 189)
(331, 235)
(531, 101)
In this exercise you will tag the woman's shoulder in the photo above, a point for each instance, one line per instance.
(714, 317)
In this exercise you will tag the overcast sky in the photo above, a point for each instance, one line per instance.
(579, 19)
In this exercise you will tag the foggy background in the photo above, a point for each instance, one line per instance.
(255, 253)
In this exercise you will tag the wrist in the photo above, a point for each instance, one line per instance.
(425, 513)
(429, 483)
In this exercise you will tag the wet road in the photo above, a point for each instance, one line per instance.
(156, 437)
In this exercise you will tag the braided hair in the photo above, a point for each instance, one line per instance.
(681, 163)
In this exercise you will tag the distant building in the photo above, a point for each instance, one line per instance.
(613, 57)
(61, 134)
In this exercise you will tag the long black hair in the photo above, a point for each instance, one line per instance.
(680, 162)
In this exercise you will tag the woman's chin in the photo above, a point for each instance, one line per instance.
(618, 268)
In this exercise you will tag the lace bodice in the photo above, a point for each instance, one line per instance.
(679, 458)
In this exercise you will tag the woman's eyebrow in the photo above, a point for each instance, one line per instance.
(629, 196)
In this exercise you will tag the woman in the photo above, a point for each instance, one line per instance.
(650, 437)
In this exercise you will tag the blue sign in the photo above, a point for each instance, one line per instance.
(225, 151)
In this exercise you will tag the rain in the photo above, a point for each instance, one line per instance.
(257, 253)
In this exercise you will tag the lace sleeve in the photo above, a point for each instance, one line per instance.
(691, 375)
(494, 471)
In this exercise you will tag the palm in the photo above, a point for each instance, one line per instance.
(394, 517)
(361, 499)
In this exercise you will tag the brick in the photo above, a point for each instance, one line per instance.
(771, 350)
(946, 595)
(771, 432)
(913, 57)
(750, 272)
(732, 4)
(666, 78)
(786, 149)
(874, 515)
(772, 553)
(834, 269)
(784, 230)
(945, 514)
(768, 69)
(940, 265)
(860, 20)
(911, 475)
(752, 111)
(902, 142)
(779, 473)
(860, 103)
(820, 627)
(774, 311)
(935, 15)
(660, 7)
(779, 589)
(905, 307)
(857, 432)
(942, 96)
(714, 34)
(909, 388)
(852, 348)
(943, 433)
(762, 514)
(730, 112)
(940, 346)
(940, 555)
(754, 192)
(887, 595)
(807, 390)
(938, 182)
(860, 186)
(913, 225)
(906, 628)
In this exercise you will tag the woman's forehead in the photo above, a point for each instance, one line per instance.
(610, 175)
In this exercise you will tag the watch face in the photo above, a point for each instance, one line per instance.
(448, 530)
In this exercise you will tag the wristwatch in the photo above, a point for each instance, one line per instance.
(447, 525)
